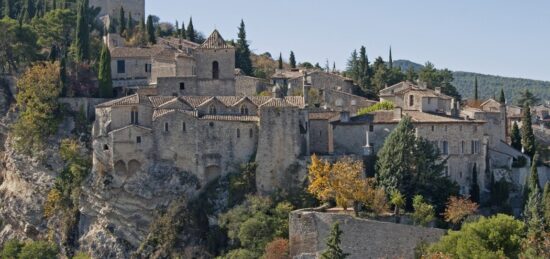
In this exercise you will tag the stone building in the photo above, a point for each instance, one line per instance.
(111, 8)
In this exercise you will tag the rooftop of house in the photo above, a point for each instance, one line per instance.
(194, 102)
(404, 87)
(215, 41)
(389, 117)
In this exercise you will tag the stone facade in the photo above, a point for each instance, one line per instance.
(112, 8)
(360, 238)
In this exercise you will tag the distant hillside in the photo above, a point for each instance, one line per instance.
(489, 85)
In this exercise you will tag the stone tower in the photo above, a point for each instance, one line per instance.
(112, 8)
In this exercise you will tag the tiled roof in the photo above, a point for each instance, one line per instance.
(128, 100)
(128, 52)
(231, 118)
(195, 101)
(322, 115)
(215, 41)
(277, 102)
(424, 117)
(157, 101)
(158, 113)
(176, 42)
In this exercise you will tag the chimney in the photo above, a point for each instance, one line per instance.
(344, 116)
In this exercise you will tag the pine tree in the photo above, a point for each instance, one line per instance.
(502, 99)
(190, 33)
(122, 20)
(292, 60)
(515, 137)
(390, 61)
(476, 97)
(82, 41)
(242, 52)
(280, 61)
(527, 135)
(104, 74)
(333, 250)
(151, 38)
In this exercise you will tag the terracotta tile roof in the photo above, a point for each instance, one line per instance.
(245, 118)
(128, 100)
(277, 102)
(424, 117)
(157, 101)
(215, 41)
(195, 101)
(158, 113)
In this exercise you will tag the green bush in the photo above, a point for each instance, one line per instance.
(424, 213)
(384, 105)
(30, 250)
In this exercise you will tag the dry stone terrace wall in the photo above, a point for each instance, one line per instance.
(361, 238)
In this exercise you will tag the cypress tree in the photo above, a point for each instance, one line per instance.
(63, 75)
(104, 74)
(532, 183)
(527, 135)
(390, 61)
(333, 250)
(82, 41)
(151, 38)
(515, 137)
(131, 24)
(177, 29)
(122, 20)
(502, 98)
(292, 60)
(191, 34)
(363, 69)
(474, 192)
(182, 31)
(546, 205)
(242, 52)
(476, 97)
(280, 61)
(534, 220)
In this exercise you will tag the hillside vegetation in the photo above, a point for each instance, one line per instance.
(489, 85)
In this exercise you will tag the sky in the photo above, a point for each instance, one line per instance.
(497, 37)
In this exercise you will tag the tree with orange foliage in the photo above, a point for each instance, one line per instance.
(277, 249)
(458, 209)
(344, 182)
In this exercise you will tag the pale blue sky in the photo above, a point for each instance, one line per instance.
(499, 37)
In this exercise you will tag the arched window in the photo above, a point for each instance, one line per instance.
(244, 110)
(212, 110)
(215, 70)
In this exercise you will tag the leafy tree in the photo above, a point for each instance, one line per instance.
(397, 200)
(424, 213)
(11, 249)
(151, 38)
(191, 34)
(439, 78)
(82, 41)
(458, 209)
(411, 74)
(527, 135)
(502, 98)
(333, 250)
(277, 249)
(280, 61)
(242, 52)
(38, 90)
(499, 236)
(29, 250)
(527, 98)
(292, 60)
(515, 137)
(104, 75)
(412, 166)
(55, 28)
(241, 254)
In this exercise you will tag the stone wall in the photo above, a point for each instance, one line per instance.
(112, 7)
(87, 104)
(206, 57)
(361, 238)
(249, 86)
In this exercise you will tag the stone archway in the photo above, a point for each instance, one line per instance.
(211, 173)
(120, 168)
(133, 167)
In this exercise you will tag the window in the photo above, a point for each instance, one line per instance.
(460, 127)
(212, 110)
(371, 128)
(215, 70)
(462, 147)
(105, 147)
(148, 68)
(433, 127)
(429, 100)
(444, 147)
(138, 139)
(166, 127)
(411, 100)
(183, 128)
(475, 128)
(244, 110)
(251, 133)
(182, 86)
(238, 133)
(120, 66)
(134, 118)
(476, 148)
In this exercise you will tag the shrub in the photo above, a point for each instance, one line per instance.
(277, 249)
(458, 209)
(424, 213)
(384, 105)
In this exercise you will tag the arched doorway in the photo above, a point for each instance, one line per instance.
(211, 173)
